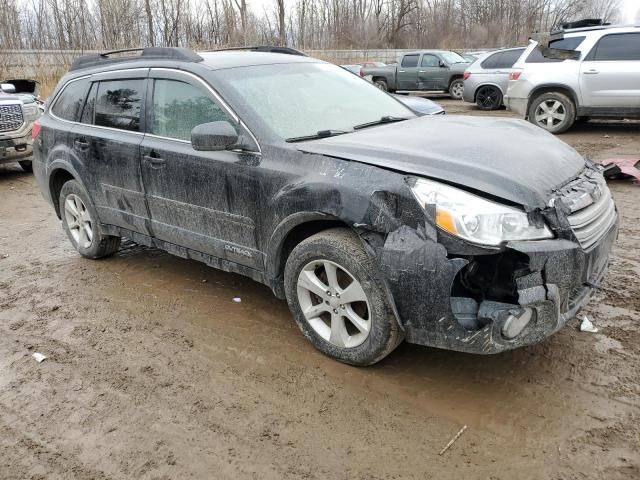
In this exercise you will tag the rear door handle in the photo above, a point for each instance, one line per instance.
(154, 161)
(401, 71)
(591, 72)
(81, 144)
(422, 71)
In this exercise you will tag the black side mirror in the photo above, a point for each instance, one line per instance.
(442, 64)
(214, 136)
(8, 88)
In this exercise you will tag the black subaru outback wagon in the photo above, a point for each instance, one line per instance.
(472, 234)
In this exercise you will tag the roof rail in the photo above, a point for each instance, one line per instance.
(266, 48)
(157, 53)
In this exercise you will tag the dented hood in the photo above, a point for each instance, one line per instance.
(506, 158)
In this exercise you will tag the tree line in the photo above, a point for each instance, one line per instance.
(304, 24)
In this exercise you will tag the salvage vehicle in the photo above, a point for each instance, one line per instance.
(424, 70)
(485, 81)
(376, 225)
(579, 73)
(18, 111)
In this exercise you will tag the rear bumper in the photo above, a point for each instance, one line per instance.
(517, 105)
(558, 283)
(12, 149)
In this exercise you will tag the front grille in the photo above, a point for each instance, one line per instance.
(592, 221)
(10, 117)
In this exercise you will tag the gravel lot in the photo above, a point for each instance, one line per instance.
(154, 372)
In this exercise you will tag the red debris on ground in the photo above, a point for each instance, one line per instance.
(614, 167)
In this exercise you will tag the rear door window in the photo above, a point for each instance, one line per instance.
(69, 103)
(119, 104)
(491, 61)
(179, 106)
(620, 47)
(409, 61)
(508, 58)
(564, 44)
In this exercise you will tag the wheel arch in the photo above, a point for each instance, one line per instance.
(59, 175)
(487, 84)
(552, 87)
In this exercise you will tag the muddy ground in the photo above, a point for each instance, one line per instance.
(154, 372)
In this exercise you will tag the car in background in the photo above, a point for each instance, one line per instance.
(353, 68)
(422, 71)
(18, 112)
(485, 81)
(579, 73)
(373, 64)
(420, 105)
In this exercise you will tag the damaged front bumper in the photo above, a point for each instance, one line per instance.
(12, 149)
(553, 279)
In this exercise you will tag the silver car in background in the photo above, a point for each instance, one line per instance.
(580, 73)
(485, 81)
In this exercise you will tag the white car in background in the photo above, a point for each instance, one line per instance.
(597, 75)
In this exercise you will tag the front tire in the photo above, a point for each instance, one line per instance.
(553, 111)
(26, 165)
(456, 89)
(338, 300)
(80, 223)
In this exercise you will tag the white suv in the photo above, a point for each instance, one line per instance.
(602, 81)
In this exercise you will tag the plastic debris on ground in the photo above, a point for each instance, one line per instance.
(39, 357)
(587, 326)
(237, 299)
(622, 167)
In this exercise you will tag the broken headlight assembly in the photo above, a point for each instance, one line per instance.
(474, 218)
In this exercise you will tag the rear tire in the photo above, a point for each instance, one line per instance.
(353, 291)
(26, 165)
(382, 85)
(553, 111)
(488, 98)
(456, 89)
(80, 223)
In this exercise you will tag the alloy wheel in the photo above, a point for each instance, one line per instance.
(457, 90)
(78, 220)
(487, 97)
(334, 303)
(550, 113)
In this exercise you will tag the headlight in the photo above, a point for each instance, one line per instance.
(475, 219)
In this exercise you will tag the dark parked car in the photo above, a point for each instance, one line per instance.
(473, 234)
(425, 70)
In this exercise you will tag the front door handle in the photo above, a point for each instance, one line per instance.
(401, 71)
(154, 160)
(422, 71)
(593, 71)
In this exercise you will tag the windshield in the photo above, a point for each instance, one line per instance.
(301, 99)
(452, 57)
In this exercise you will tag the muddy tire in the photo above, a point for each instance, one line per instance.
(456, 89)
(80, 223)
(553, 111)
(26, 165)
(382, 85)
(338, 300)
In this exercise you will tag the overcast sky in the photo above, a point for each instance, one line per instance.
(631, 9)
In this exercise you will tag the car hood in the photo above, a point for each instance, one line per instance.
(505, 158)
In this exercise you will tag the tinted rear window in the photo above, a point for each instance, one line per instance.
(119, 104)
(410, 61)
(621, 47)
(507, 59)
(69, 103)
(564, 44)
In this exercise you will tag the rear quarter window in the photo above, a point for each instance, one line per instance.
(68, 104)
(564, 44)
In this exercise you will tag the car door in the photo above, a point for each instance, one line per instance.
(430, 74)
(108, 138)
(610, 73)
(201, 200)
(408, 72)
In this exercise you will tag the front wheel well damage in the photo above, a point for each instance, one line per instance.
(57, 179)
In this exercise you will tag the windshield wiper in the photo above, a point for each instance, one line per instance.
(381, 121)
(319, 134)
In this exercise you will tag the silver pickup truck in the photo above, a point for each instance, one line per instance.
(423, 70)
(18, 111)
